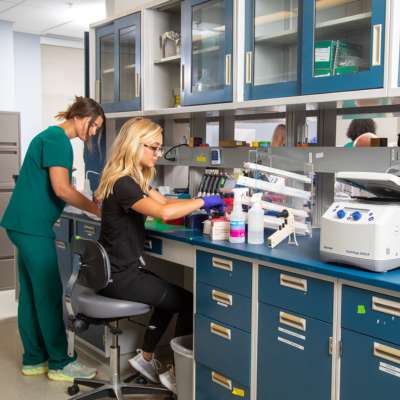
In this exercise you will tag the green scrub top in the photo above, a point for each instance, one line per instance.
(350, 144)
(34, 207)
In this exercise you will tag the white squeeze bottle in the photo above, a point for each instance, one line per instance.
(237, 225)
(255, 221)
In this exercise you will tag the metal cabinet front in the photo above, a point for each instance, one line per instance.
(62, 229)
(153, 245)
(224, 306)
(213, 385)
(343, 45)
(272, 57)
(64, 257)
(370, 368)
(371, 313)
(224, 272)
(223, 347)
(88, 230)
(293, 356)
(95, 336)
(302, 294)
(207, 51)
(118, 64)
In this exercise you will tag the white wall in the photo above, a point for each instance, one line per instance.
(62, 79)
(28, 86)
(114, 7)
(7, 90)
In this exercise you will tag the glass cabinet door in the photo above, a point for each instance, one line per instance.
(128, 81)
(105, 82)
(207, 52)
(272, 37)
(118, 64)
(347, 45)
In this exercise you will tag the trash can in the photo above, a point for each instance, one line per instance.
(183, 356)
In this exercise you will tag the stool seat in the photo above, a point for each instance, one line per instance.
(92, 305)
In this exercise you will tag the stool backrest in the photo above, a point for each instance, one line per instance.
(95, 267)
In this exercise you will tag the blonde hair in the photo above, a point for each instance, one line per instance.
(125, 155)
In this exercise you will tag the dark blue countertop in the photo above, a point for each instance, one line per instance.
(304, 257)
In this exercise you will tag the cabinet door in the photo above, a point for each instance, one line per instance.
(370, 368)
(343, 45)
(207, 59)
(272, 48)
(294, 360)
(105, 67)
(127, 31)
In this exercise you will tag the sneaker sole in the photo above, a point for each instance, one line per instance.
(166, 384)
(54, 376)
(142, 372)
(35, 372)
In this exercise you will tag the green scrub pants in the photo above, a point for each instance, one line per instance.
(40, 309)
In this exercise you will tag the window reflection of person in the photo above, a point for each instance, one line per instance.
(357, 128)
(279, 136)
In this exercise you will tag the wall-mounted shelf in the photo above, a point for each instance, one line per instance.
(173, 60)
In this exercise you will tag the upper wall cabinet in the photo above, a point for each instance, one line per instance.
(272, 48)
(343, 45)
(207, 51)
(118, 64)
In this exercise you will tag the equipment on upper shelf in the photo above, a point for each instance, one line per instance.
(364, 231)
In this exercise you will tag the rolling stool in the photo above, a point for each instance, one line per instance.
(85, 307)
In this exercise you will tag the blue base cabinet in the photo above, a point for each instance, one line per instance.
(370, 368)
(294, 362)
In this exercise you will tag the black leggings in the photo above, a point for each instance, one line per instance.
(143, 286)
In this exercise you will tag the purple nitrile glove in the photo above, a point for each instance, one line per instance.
(213, 202)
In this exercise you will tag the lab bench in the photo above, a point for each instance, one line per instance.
(279, 323)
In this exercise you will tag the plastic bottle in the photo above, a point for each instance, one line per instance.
(237, 225)
(255, 221)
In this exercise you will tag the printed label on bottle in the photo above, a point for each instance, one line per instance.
(237, 229)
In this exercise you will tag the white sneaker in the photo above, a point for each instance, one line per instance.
(168, 379)
(149, 369)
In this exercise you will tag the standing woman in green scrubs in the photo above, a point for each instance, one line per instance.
(41, 192)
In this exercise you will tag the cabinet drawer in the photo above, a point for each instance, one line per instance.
(370, 368)
(293, 356)
(87, 230)
(371, 313)
(7, 274)
(224, 272)
(153, 245)
(301, 294)
(61, 229)
(224, 306)
(224, 348)
(212, 385)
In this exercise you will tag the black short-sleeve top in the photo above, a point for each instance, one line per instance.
(122, 228)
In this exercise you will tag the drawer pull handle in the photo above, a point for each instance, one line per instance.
(221, 297)
(148, 244)
(220, 331)
(293, 282)
(387, 353)
(97, 91)
(376, 45)
(220, 263)
(61, 245)
(137, 84)
(58, 223)
(292, 321)
(386, 306)
(89, 228)
(221, 380)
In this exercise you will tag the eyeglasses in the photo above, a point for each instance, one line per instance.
(158, 151)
